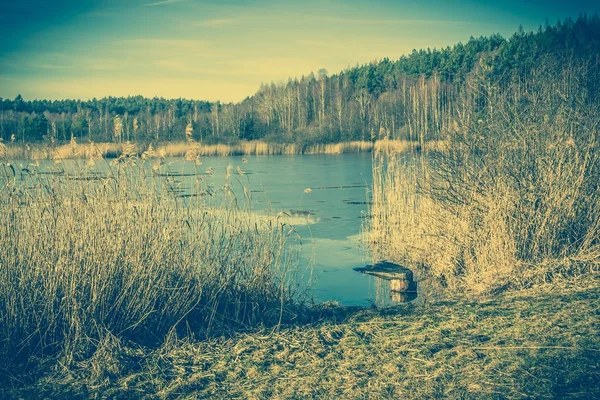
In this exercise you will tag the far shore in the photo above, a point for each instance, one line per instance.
(192, 149)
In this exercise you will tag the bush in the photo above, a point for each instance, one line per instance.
(87, 255)
(515, 199)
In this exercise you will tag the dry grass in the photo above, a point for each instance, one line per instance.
(339, 148)
(258, 147)
(75, 150)
(88, 258)
(3, 151)
(509, 201)
(72, 150)
(537, 343)
(263, 148)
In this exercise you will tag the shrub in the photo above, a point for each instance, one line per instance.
(514, 199)
(112, 251)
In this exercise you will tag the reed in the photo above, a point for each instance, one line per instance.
(510, 199)
(74, 150)
(339, 148)
(88, 255)
(242, 148)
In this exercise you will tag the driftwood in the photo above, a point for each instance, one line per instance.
(400, 278)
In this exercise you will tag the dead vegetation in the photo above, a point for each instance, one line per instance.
(512, 200)
(91, 259)
(75, 150)
(536, 343)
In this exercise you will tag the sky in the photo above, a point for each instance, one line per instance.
(223, 50)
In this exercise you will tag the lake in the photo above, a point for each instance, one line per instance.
(326, 194)
(335, 206)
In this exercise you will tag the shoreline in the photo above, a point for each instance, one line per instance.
(191, 150)
(536, 343)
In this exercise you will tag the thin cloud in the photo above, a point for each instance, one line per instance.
(172, 65)
(106, 66)
(271, 68)
(166, 43)
(399, 21)
(86, 88)
(191, 66)
(163, 2)
(52, 66)
(214, 23)
(106, 13)
(60, 61)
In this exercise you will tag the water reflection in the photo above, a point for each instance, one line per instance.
(386, 297)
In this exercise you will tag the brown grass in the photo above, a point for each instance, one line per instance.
(509, 201)
(262, 148)
(72, 150)
(88, 256)
(540, 343)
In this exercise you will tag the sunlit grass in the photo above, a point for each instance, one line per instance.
(509, 201)
(86, 256)
(536, 343)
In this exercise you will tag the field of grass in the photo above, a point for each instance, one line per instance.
(88, 258)
(538, 343)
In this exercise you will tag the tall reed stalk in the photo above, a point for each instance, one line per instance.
(86, 255)
(513, 198)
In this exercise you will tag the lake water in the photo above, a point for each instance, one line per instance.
(330, 213)
(335, 205)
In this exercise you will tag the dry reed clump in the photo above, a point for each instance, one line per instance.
(414, 229)
(75, 150)
(83, 260)
(403, 146)
(72, 150)
(13, 151)
(255, 147)
(194, 150)
(149, 153)
(392, 146)
(512, 200)
(339, 148)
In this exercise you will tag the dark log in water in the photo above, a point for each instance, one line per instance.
(176, 174)
(402, 286)
(387, 270)
(339, 187)
(300, 213)
(96, 177)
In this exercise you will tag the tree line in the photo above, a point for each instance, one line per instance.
(416, 97)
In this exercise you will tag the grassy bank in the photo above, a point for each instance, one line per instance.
(88, 258)
(536, 343)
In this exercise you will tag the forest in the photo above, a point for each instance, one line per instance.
(413, 98)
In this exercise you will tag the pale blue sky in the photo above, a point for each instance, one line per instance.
(224, 49)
